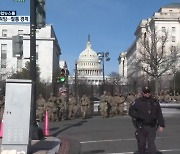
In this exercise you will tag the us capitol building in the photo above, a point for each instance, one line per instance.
(88, 67)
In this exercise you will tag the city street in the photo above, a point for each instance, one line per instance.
(116, 134)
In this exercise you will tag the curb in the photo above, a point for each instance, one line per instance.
(69, 146)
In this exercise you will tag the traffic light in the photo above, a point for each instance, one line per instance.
(63, 75)
(17, 45)
(40, 14)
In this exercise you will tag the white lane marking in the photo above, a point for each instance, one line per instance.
(84, 142)
(170, 150)
(113, 140)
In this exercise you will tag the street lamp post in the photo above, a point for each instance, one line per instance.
(75, 89)
(103, 56)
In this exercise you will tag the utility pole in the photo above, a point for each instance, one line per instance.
(34, 126)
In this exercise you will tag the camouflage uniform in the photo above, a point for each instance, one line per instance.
(119, 100)
(177, 98)
(130, 98)
(40, 107)
(72, 107)
(2, 103)
(50, 107)
(167, 98)
(60, 107)
(104, 105)
(85, 104)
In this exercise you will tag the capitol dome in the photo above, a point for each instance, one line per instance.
(88, 53)
(88, 64)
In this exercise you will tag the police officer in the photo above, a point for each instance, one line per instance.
(147, 116)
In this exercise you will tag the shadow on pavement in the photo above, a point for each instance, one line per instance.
(93, 152)
(158, 152)
(43, 145)
(70, 126)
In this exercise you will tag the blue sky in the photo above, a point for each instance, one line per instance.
(110, 23)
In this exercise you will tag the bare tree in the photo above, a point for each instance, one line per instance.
(155, 55)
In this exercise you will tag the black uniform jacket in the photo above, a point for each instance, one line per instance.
(147, 111)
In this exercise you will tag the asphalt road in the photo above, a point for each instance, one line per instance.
(116, 134)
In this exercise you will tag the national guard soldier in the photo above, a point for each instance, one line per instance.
(60, 109)
(104, 105)
(50, 107)
(40, 107)
(167, 97)
(130, 98)
(119, 100)
(177, 97)
(72, 107)
(161, 97)
(2, 103)
(147, 116)
(110, 104)
(85, 105)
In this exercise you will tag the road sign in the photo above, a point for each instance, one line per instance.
(24, 19)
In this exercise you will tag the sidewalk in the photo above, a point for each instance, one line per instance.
(50, 145)
(53, 145)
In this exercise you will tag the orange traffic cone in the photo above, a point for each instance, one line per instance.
(46, 125)
(1, 128)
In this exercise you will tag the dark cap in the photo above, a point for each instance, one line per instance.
(146, 90)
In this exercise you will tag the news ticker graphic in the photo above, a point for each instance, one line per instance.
(25, 19)
(7, 13)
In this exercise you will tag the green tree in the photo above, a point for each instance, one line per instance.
(155, 56)
(25, 74)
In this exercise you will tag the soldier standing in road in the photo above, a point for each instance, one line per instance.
(130, 98)
(104, 105)
(177, 98)
(2, 103)
(147, 116)
(60, 107)
(119, 100)
(50, 107)
(110, 104)
(40, 107)
(167, 97)
(72, 107)
(85, 105)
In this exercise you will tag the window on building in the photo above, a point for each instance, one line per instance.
(37, 51)
(163, 29)
(173, 29)
(3, 55)
(20, 32)
(4, 33)
(170, 10)
(173, 39)
(173, 48)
